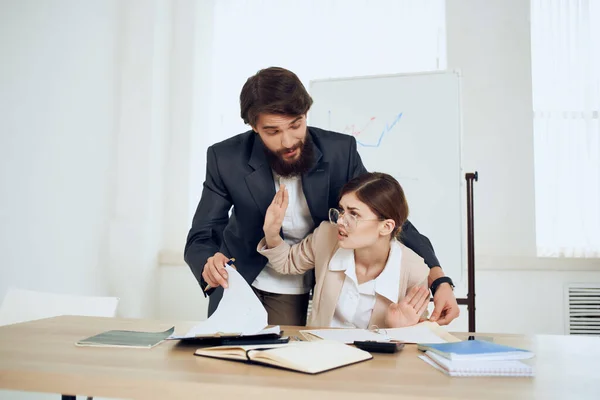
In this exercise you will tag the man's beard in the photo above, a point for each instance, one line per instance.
(294, 168)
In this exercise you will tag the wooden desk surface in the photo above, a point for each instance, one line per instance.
(41, 356)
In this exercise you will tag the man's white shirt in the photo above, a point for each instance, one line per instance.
(297, 224)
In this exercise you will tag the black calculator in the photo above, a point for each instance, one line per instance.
(379, 347)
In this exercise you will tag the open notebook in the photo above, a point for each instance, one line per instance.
(425, 332)
(307, 357)
(477, 368)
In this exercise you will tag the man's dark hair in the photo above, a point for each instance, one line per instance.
(273, 90)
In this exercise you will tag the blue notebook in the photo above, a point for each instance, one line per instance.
(476, 350)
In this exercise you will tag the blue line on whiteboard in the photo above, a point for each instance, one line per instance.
(385, 130)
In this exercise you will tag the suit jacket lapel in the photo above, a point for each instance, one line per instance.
(315, 184)
(260, 181)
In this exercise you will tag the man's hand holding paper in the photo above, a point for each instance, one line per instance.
(239, 312)
(214, 272)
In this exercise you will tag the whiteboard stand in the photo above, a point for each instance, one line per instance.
(470, 300)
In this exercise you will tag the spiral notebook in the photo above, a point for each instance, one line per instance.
(477, 368)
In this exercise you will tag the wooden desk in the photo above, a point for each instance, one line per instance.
(41, 356)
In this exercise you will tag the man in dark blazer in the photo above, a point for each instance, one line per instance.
(242, 176)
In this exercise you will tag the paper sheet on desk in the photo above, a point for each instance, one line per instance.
(239, 311)
(425, 332)
(347, 336)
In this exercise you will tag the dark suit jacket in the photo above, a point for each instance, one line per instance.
(238, 175)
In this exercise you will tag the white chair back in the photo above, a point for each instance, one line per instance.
(21, 305)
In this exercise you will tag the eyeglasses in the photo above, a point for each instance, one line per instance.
(349, 221)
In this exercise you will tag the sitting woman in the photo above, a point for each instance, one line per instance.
(365, 276)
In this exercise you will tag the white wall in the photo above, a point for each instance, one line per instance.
(86, 109)
(189, 137)
(58, 112)
(57, 137)
(489, 42)
(136, 224)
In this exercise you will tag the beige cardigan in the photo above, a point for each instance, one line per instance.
(315, 251)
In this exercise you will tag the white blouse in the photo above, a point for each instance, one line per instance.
(356, 302)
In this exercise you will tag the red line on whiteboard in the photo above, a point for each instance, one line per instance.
(352, 130)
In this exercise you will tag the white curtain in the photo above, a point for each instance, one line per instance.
(565, 41)
(317, 39)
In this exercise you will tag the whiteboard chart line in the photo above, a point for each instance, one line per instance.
(351, 129)
(383, 132)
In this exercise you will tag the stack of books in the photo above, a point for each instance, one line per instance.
(477, 358)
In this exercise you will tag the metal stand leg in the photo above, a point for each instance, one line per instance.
(470, 177)
(70, 397)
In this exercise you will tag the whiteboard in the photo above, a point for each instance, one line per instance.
(408, 126)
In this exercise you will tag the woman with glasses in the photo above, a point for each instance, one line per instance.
(365, 276)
